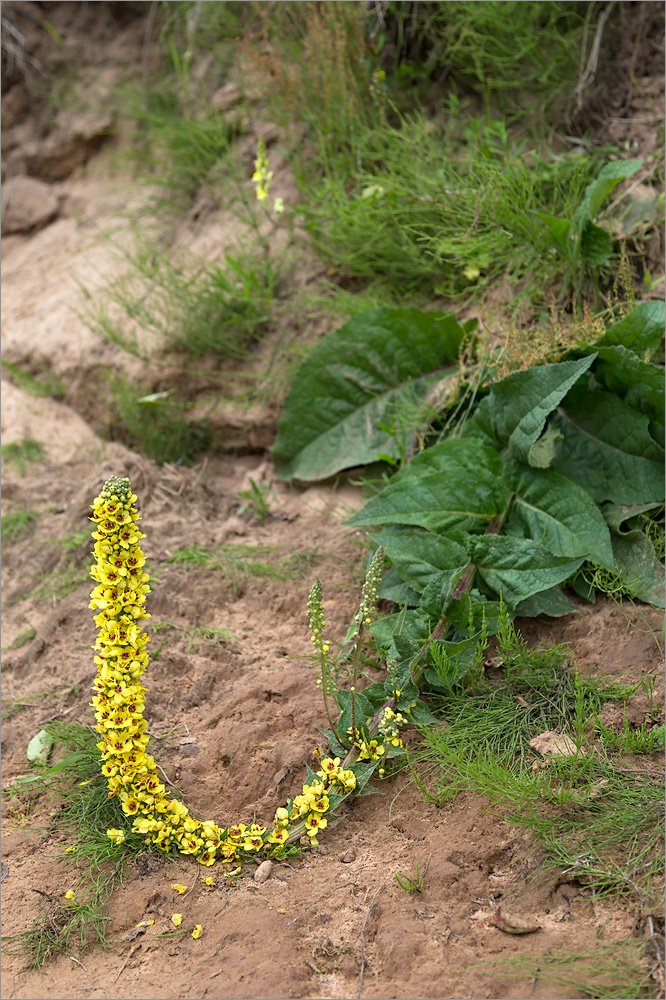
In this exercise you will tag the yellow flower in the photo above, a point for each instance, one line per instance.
(69, 894)
(197, 932)
(278, 206)
(177, 887)
(209, 882)
(69, 850)
(117, 836)
(176, 919)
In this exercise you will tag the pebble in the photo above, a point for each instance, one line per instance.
(263, 872)
(348, 856)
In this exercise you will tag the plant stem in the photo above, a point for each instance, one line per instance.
(357, 654)
(324, 684)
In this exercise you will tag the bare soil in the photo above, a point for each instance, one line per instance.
(239, 717)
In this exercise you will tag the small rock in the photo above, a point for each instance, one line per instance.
(263, 872)
(69, 145)
(233, 526)
(226, 97)
(29, 204)
(133, 933)
(348, 856)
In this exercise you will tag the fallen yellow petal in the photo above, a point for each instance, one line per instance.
(176, 919)
(197, 932)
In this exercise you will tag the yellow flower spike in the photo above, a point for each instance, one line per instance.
(197, 932)
(69, 894)
(176, 919)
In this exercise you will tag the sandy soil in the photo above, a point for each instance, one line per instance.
(239, 717)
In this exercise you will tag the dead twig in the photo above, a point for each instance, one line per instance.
(369, 910)
(591, 68)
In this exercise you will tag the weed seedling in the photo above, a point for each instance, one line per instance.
(411, 883)
(258, 499)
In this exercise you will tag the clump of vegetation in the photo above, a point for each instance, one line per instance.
(37, 379)
(19, 453)
(17, 523)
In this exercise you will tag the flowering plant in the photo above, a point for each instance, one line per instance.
(118, 599)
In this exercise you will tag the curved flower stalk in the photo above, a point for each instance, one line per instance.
(119, 599)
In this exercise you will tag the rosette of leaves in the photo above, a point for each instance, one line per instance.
(557, 469)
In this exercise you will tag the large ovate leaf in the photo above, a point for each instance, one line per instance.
(420, 556)
(639, 567)
(641, 331)
(595, 244)
(437, 502)
(449, 662)
(548, 602)
(639, 382)
(519, 405)
(560, 234)
(615, 514)
(596, 193)
(559, 514)
(607, 449)
(517, 568)
(392, 588)
(454, 456)
(355, 380)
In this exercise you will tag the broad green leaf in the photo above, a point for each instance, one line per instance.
(337, 749)
(595, 244)
(560, 232)
(548, 602)
(615, 514)
(437, 502)
(356, 379)
(471, 613)
(393, 589)
(639, 567)
(639, 382)
(642, 330)
(479, 426)
(543, 450)
(517, 568)
(596, 193)
(40, 747)
(439, 592)
(519, 405)
(409, 624)
(607, 449)
(453, 456)
(559, 514)
(448, 662)
(419, 556)
(421, 715)
(364, 711)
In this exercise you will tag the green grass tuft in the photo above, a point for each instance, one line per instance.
(85, 814)
(19, 453)
(16, 523)
(39, 382)
(595, 815)
(155, 424)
